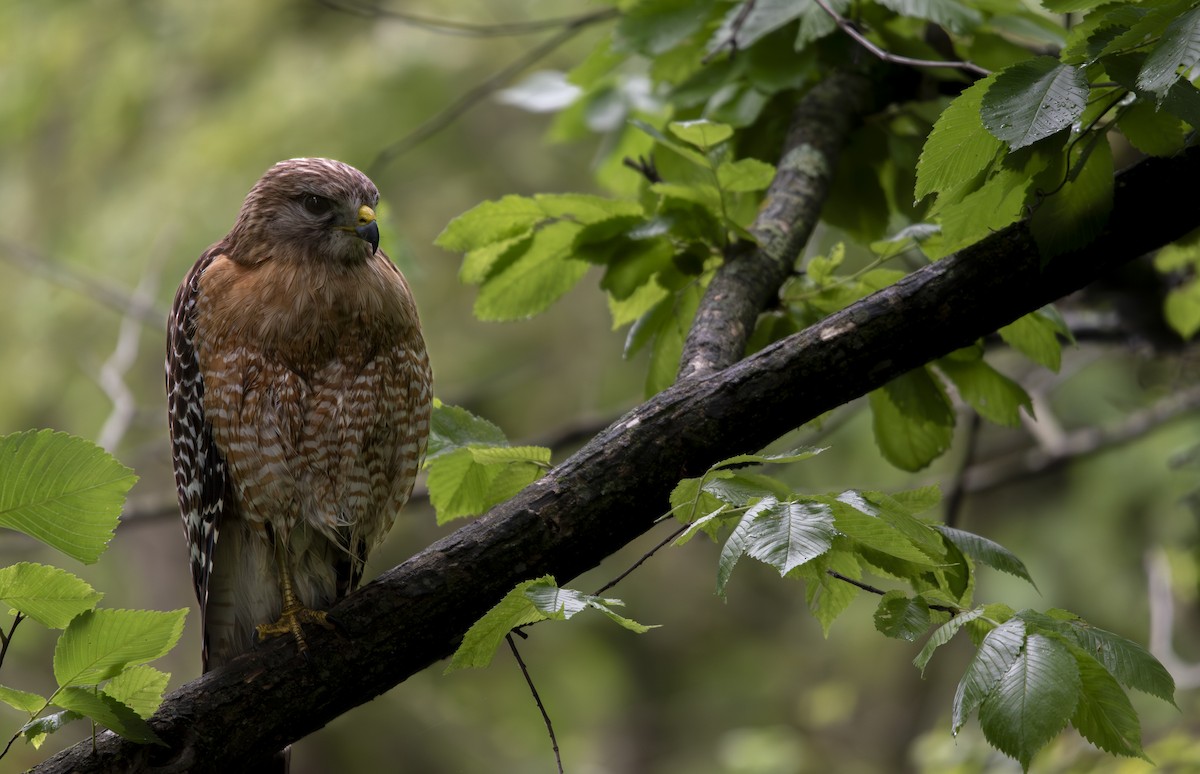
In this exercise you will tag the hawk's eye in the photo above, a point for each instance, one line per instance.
(317, 205)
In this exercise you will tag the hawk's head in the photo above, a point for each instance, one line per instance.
(308, 209)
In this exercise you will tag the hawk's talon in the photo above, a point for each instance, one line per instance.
(290, 622)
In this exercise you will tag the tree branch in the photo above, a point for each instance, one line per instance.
(749, 280)
(616, 486)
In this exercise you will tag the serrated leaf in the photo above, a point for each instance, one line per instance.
(1033, 701)
(958, 147)
(702, 133)
(49, 595)
(1129, 662)
(22, 700)
(1178, 47)
(919, 500)
(742, 27)
(562, 604)
(61, 490)
(778, 458)
(451, 427)
(140, 688)
(100, 643)
(1104, 715)
(108, 712)
(997, 398)
(912, 419)
(1074, 215)
(948, 13)
(543, 271)
(500, 455)
(480, 642)
(998, 651)
(745, 175)
(901, 617)
(1035, 337)
(36, 730)
(944, 634)
(1032, 100)
(987, 552)
(1069, 6)
(734, 548)
(738, 489)
(875, 533)
(461, 485)
(999, 202)
(787, 534)
(1152, 131)
(654, 27)
(490, 222)
(829, 596)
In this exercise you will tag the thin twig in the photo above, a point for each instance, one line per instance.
(887, 56)
(731, 40)
(466, 29)
(5, 639)
(880, 592)
(662, 543)
(95, 288)
(481, 91)
(124, 355)
(538, 700)
(1162, 621)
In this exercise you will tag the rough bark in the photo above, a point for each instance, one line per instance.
(612, 490)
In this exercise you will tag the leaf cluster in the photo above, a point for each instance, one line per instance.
(68, 493)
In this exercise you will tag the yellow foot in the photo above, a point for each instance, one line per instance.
(290, 622)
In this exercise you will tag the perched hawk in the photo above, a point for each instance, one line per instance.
(299, 394)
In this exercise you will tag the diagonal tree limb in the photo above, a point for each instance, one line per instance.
(614, 488)
(749, 280)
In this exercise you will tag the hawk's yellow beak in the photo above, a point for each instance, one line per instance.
(367, 229)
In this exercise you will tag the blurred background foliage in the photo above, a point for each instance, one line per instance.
(129, 133)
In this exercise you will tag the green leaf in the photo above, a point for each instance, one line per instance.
(779, 458)
(48, 595)
(958, 148)
(944, 634)
(828, 596)
(1000, 201)
(998, 651)
(470, 480)
(787, 534)
(36, 730)
(745, 175)
(948, 13)
(100, 643)
(22, 700)
(1032, 100)
(1104, 715)
(987, 552)
(451, 428)
(1033, 701)
(480, 642)
(140, 688)
(1182, 309)
(108, 712)
(742, 27)
(736, 545)
(913, 420)
(1073, 216)
(1152, 131)
(1178, 47)
(919, 500)
(702, 133)
(1035, 337)
(997, 398)
(901, 617)
(1069, 6)
(855, 518)
(654, 27)
(1128, 661)
(561, 604)
(61, 490)
(489, 223)
(539, 275)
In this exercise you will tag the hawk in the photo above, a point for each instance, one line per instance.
(299, 396)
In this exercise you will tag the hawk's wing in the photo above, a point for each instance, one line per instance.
(201, 477)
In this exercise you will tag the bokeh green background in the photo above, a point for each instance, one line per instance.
(129, 133)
